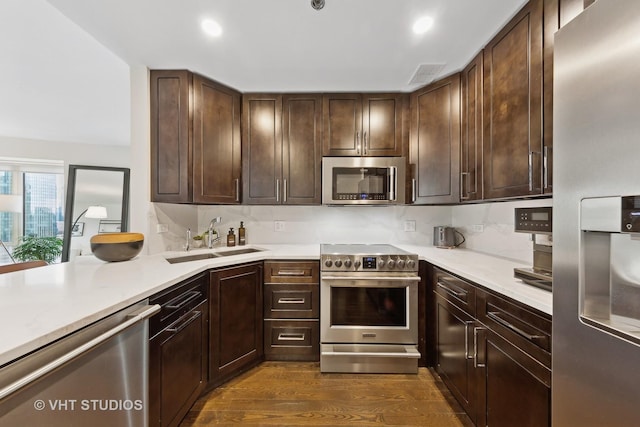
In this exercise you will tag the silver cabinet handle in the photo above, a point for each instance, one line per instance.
(531, 153)
(460, 293)
(184, 324)
(284, 191)
(476, 364)
(136, 317)
(290, 300)
(364, 143)
(545, 165)
(183, 299)
(277, 190)
(237, 190)
(462, 186)
(290, 273)
(414, 190)
(290, 337)
(357, 142)
(466, 340)
(494, 315)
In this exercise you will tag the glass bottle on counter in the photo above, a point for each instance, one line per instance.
(242, 240)
(231, 238)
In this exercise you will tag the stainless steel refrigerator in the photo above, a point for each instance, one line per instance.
(596, 231)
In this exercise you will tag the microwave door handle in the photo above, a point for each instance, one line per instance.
(392, 183)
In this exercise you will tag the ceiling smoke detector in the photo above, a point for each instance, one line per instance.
(317, 4)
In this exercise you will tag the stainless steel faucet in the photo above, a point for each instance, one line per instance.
(215, 220)
(187, 245)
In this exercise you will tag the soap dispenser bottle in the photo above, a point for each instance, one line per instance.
(242, 239)
(231, 238)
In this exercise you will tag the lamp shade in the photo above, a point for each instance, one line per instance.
(10, 203)
(97, 212)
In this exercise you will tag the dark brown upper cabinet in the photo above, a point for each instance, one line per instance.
(195, 139)
(471, 87)
(362, 124)
(282, 151)
(513, 86)
(435, 142)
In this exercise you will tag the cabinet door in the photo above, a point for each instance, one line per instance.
(342, 118)
(454, 358)
(235, 321)
(171, 138)
(302, 149)
(471, 135)
(435, 141)
(515, 390)
(262, 149)
(382, 125)
(512, 142)
(216, 136)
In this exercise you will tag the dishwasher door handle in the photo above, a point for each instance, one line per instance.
(133, 318)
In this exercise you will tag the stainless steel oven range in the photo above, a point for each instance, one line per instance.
(368, 309)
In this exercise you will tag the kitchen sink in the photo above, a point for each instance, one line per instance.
(208, 255)
(194, 257)
(238, 252)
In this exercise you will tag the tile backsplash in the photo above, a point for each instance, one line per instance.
(338, 224)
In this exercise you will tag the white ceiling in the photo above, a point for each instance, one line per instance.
(65, 78)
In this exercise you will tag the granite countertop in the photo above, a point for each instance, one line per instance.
(41, 305)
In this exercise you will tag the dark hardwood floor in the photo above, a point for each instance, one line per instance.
(296, 394)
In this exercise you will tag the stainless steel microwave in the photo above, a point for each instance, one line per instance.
(363, 180)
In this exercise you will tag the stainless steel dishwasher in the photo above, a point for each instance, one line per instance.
(97, 376)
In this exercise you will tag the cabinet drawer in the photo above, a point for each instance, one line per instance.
(292, 340)
(291, 301)
(460, 293)
(520, 325)
(291, 272)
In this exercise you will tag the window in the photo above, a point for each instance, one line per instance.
(40, 188)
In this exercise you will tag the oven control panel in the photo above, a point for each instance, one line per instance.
(370, 263)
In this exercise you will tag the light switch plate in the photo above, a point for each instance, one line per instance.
(477, 228)
(162, 228)
(278, 225)
(410, 225)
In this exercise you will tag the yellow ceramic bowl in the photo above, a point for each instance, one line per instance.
(116, 246)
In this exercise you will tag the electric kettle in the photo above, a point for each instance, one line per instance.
(445, 237)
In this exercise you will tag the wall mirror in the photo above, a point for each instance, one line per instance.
(97, 202)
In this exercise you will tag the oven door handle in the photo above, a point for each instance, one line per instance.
(375, 278)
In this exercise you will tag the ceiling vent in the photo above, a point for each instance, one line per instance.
(425, 73)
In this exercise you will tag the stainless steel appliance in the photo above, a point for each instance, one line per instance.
(368, 309)
(445, 237)
(97, 376)
(596, 380)
(363, 180)
(538, 222)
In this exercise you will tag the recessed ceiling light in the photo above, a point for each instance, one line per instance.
(211, 27)
(423, 25)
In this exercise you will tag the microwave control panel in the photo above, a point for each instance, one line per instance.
(534, 220)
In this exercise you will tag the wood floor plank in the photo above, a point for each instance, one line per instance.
(297, 394)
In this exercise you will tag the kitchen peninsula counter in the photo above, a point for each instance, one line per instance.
(41, 305)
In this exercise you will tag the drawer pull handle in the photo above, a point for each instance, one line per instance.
(458, 294)
(476, 362)
(290, 273)
(290, 337)
(185, 323)
(494, 315)
(186, 298)
(290, 300)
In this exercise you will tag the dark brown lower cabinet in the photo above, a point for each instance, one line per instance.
(235, 311)
(493, 353)
(515, 389)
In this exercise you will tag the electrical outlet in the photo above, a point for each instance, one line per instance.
(278, 226)
(410, 225)
(162, 228)
(477, 228)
